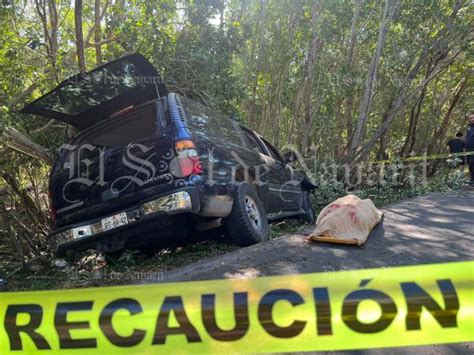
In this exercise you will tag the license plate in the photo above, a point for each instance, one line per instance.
(114, 221)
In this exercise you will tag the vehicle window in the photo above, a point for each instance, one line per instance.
(94, 89)
(273, 152)
(253, 141)
(204, 121)
(119, 132)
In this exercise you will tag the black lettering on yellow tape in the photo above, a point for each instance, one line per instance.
(105, 322)
(241, 316)
(402, 306)
(174, 305)
(417, 299)
(352, 302)
(13, 329)
(64, 327)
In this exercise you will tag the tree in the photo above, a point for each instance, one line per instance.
(349, 97)
(81, 61)
(366, 103)
(443, 60)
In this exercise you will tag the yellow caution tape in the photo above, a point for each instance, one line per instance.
(358, 309)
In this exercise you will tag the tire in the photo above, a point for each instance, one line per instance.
(309, 214)
(247, 223)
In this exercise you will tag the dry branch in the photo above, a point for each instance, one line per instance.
(21, 143)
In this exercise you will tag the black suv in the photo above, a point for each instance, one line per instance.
(146, 163)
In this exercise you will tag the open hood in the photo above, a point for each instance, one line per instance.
(85, 99)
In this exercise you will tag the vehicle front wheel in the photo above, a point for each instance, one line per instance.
(247, 223)
(309, 214)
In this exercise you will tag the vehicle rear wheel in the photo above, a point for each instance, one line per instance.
(309, 214)
(247, 223)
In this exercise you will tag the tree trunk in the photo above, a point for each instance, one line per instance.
(349, 97)
(404, 95)
(440, 133)
(364, 108)
(382, 153)
(309, 80)
(21, 143)
(81, 62)
(221, 16)
(47, 12)
(53, 19)
(258, 46)
(97, 33)
(414, 115)
(409, 143)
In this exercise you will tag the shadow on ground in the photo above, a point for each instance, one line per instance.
(430, 229)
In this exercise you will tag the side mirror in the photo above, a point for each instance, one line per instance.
(290, 157)
(307, 185)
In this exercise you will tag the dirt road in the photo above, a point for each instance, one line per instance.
(430, 229)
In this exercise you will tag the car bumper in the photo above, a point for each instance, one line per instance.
(88, 234)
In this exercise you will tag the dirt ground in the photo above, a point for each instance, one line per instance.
(433, 228)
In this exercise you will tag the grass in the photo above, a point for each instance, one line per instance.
(92, 270)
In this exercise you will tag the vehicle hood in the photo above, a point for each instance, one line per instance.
(85, 99)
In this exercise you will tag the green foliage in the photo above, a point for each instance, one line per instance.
(250, 57)
(394, 185)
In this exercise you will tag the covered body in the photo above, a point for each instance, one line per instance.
(348, 220)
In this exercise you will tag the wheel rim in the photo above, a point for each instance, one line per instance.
(253, 213)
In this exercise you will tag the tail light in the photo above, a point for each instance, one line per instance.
(187, 158)
(52, 210)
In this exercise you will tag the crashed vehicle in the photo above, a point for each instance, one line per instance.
(148, 165)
